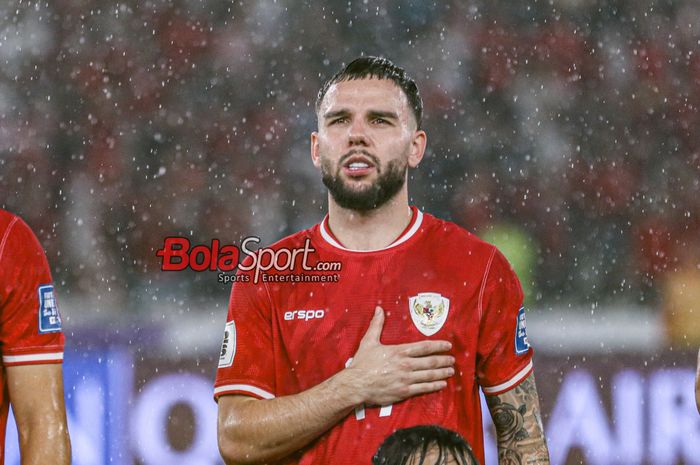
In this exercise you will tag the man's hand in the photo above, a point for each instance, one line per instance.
(36, 395)
(385, 374)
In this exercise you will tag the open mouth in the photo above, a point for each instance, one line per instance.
(358, 165)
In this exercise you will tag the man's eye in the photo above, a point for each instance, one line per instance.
(379, 121)
(339, 120)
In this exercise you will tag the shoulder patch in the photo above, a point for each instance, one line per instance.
(49, 318)
(228, 345)
(522, 345)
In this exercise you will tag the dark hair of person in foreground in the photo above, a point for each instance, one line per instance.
(424, 445)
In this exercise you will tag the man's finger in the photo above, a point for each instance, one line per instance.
(428, 376)
(431, 362)
(374, 331)
(424, 388)
(422, 348)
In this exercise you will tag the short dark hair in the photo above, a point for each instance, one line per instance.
(379, 68)
(416, 441)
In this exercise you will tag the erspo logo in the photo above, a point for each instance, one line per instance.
(304, 315)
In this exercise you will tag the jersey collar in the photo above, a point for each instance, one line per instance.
(411, 229)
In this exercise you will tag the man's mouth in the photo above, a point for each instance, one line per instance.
(358, 165)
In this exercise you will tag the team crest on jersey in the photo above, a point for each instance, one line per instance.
(429, 311)
(49, 318)
(522, 345)
(228, 345)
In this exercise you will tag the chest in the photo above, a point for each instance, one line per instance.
(318, 326)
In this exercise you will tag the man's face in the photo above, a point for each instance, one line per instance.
(366, 139)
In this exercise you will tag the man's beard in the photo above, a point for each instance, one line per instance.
(388, 183)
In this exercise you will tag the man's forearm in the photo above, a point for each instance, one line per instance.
(45, 443)
(519, 431)
(36, 394)
(259, 431)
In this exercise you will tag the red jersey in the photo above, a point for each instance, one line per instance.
(30, 326)
(436, 281)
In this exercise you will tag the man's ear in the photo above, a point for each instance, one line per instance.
(418, 144)
(315, 157)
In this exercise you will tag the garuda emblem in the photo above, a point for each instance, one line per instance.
(429, 311)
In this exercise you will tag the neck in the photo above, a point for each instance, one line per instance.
(373, 229)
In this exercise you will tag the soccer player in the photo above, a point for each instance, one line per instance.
(31, 343)
(424, 314)
(424, 445)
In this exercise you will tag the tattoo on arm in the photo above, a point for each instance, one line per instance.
(516, 415)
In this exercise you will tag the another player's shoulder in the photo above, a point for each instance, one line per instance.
(17, 238)
(7, 221)
(454, 237)
(12, 227)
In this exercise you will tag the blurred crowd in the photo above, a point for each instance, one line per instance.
(564, 131)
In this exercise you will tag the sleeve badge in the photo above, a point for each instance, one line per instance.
(228, 345)
(49, 318)
(522, 345)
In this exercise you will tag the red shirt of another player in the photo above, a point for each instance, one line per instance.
(436, 281)
(30, 326)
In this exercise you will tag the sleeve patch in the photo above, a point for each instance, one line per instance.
(522, 345)
(49, 318)
(228, 346)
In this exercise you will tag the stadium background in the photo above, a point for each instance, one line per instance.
(564, 131)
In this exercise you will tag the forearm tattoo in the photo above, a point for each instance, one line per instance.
(516, 415)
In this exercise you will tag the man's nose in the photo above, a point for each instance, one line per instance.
(357, 134)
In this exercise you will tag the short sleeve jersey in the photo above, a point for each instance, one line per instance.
(436, 281)
(30, 326)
